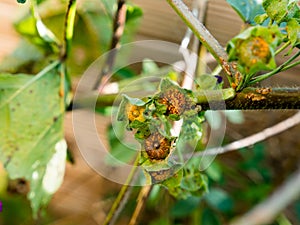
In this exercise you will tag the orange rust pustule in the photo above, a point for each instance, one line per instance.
(157, 146)
(174, 100)
(263, 91)
(260, 47)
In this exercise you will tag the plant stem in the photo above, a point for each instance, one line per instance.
(290, 66)
(112, 215)
(69, 28)
(206, 39)
(259, 98)
(143, 195)
(199, 30)
(248, 99)
(252, 139)
(118, 30)
(286, 44)
(282, 67)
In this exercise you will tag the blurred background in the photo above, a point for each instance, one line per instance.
(237, 180)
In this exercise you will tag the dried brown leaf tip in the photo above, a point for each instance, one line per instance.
(135, 112)
(157, 146)
(161, 175)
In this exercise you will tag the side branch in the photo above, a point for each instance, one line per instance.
(205, 37)
(259, 98)
(265, 212)
(118, 29)
(252, 139)
(248, 99)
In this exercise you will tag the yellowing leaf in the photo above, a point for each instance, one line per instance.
(31, 117)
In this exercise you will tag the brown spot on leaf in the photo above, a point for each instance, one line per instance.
(18, 186)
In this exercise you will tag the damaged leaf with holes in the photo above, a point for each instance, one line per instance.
(31, 124)
(254, 49)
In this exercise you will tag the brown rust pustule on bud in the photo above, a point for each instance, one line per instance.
(157, 146)
(175, 101)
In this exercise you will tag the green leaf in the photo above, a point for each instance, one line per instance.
(260, 19)
(21, 1)
(293, 30)
(297, 209)
(149, 66)
(247, 9)
(161, 221)
(133, 12)
(220, 200)
(214, 172)
(22, 58)
(293, 10)
(207, 82)
(185, 207)
(37, 33)
(126, 100)
(191, 128)
(209, 217)
(119, 152)
(276, 10)
(194, 182)
(31, 119)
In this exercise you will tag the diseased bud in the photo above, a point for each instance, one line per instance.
(157, 146)
(174, 100)
(254, 50)
(135, 112)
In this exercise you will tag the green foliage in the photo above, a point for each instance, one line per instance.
(293, 31)
(91, 19)
(219, 200)
(209, 218)
(25, 58)
(32, 146)
(150, 120)
(119, 152)
(254, 49)
(247, 9)
(185, 207)
(31, 134)
(33, 28)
